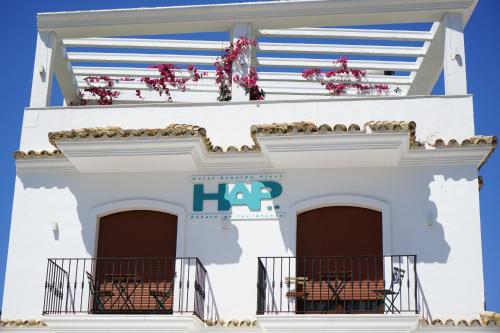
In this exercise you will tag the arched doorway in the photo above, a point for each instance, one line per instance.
(135, 262)
(340, 259)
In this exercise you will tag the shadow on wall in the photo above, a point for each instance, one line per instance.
(80, 190)
(422, 220)
(412, 192)
(221, 239)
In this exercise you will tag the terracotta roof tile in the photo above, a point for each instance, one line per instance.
(174, 130)
(488, 318)
(473, 141)
(31, 154)
(231, 323)
(21, 323)
(393, 126)
(300, 127)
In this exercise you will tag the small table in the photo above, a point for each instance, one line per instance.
(122, 283)
(336, 282)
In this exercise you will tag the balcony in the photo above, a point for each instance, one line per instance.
(162, 286)
(337, 285)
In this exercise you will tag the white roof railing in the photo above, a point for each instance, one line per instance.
(411, 68)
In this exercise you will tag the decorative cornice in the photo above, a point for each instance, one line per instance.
(489, 141)
(301, 136)
(173, 130)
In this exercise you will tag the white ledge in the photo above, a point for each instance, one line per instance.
(361, 323)
(124, 323)
(327, 99)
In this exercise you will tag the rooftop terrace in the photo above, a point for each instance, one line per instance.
(107, 52)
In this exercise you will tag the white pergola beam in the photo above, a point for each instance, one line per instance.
(372, 50)
(342, 33)
(132, 85)
(202, 45)
(210, 85)
(326, 63)
(65, 76)
(139, 58)
(431, 65)
(261, 61)
(82, 72)
(41, 85)
(142, 43)
(455, 80)
(262, 15)
(241, 65)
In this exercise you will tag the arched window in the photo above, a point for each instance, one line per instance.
(135, 264)
(340, 256)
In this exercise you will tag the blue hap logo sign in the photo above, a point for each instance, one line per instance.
(238, 196)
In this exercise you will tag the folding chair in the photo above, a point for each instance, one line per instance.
(390, 295)
(100, 297)
(161, 298)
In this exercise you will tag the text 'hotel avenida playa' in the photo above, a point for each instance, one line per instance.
(261, 167)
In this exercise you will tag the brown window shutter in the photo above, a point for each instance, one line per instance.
(339, 231)
(136, 252)
(340, 238)
(137, 233)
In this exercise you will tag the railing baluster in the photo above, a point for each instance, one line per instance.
(415, 279)
(400, 284)
(288, 284)
(188, 282)
(75, 285)
(281, 284)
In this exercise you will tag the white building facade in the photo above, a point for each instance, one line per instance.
(311, 210)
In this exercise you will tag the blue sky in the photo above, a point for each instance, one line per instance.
(18, 26)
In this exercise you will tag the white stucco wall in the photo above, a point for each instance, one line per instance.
(449, 251)
(446, 117)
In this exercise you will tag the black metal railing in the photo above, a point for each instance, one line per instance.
(361, 284)
(127, 285)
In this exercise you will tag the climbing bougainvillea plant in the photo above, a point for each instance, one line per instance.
(167, 80)
(105, 92)
(336, 80)
(249, 84)
(224, 72)
(341, 78)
